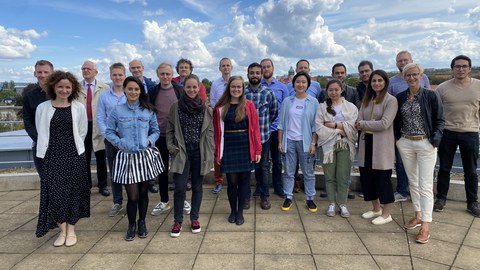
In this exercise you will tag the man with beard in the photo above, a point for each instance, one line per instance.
(281, 92)
(267, 110)
(365, 68)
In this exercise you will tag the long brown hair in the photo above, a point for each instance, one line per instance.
(330, 110)
(227, 97)
(370, 94)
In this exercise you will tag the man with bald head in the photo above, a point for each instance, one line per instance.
(94, 140)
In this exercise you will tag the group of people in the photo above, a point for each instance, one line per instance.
(146, 130)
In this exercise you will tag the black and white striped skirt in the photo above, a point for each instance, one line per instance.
(131, 168)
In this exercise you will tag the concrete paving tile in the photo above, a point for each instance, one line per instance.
(365, 225)
(344, 243)
(26, 207)
(274, 262)
(85, 241)
(20, 195)
(448, 232)
(221, 206)
(106, 261)
(23, 241)
(278, 223)
(97, 223)
(113, 242)
(12, 222)
(319, 222)
(164, 261)
(207, 205)
(472, 238)
(224, 261)
(434, 250)
(219, 223)
(103, 207)
(454, 213)
(422, 264)
(345, 262)
(393, 262)
(5, 206)
(9, 260)
(231, 242)
(153, 223)
(385, 243)
(467, 258)
(48, 261)
(162, 243)
(275, 243)
(476, 224)
(30, 225)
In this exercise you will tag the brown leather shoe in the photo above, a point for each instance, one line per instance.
(246, 206)
(265, 204)
(423, 236)
(412, 224)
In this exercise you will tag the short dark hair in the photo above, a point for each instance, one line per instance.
(267, 59)
(339, 65)
(43, 63)
(301, 73)
(252, 65)
(56, 77)
(461, 57)
(363, 63)
(302, 60)
(186, 61)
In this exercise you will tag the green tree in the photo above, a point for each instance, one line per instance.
(7, 94)
(5, 85)
(11, 85)
(208, 85)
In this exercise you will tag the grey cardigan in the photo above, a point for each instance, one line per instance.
(176, 142)
(380, 122)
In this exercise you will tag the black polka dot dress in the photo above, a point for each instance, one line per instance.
(64, 185)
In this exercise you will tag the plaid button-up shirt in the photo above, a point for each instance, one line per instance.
(267, 108)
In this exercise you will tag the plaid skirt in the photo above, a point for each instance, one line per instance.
(131, 168)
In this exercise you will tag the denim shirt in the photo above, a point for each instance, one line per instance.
(132, 129)
(308, 120)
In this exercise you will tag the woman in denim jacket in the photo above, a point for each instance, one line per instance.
(133, 129)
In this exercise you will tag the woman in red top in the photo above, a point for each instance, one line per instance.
(237, 143)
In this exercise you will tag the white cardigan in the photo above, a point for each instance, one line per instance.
(43, 116)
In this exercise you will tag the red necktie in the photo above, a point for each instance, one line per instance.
(89, 102)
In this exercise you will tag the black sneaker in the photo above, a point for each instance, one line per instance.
(323, 194)
(351, 195)
(287, 204)
(438, 205)
(312, 207)
(473, 209)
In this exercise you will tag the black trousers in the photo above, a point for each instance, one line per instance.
(100, 156)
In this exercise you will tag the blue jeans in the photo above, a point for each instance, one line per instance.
(192, 166)
(402, 179)
(111, 153)
(294, 153)
(468, 144)
(261, 172)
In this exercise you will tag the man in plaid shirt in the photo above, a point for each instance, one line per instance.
(267, 110)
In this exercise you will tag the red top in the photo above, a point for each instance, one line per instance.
(253, 132)
(202, 92)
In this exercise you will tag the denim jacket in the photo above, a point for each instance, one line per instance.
(132, 129)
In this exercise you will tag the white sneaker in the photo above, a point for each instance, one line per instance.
(381, 220)
(186, 208)
(331, 210)
(370, 214)
(344, 211)
(161, 207)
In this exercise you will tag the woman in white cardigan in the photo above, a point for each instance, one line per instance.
(337, 135)
(61, 123)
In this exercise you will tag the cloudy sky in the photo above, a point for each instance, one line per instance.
(323, 31)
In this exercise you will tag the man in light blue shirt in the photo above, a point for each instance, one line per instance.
(397, 83)
(106, 102)
(281, 92)
(314, 90)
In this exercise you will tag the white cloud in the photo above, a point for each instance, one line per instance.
(474, 16)
(15, 43)
(151, 13)
(142, 2)
(197, 6)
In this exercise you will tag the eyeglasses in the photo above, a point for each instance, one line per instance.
(412, 75)
(461, 67)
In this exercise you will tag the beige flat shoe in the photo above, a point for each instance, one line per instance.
(71, 240)
(60, 240)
